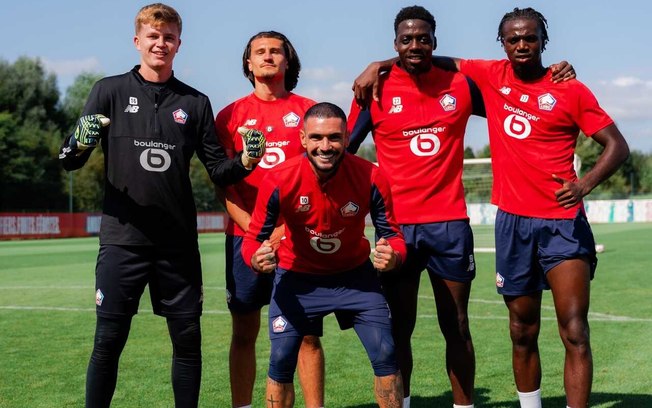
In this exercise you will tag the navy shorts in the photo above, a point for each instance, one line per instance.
(301, 300)
(173, 275)
(527, 248)
(246, 290)
(445, 249)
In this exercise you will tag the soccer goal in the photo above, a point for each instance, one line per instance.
(477, 178)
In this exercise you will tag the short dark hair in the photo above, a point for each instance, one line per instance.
(414, 13)
(529, 14)
(294, 65)
(325, 110)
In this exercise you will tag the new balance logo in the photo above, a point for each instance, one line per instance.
(132, 108)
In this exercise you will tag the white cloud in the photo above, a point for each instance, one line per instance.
(626, 98)
(72, 67)
(339, 93)
(319, 74)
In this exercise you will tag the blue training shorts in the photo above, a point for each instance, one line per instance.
(445, 249)
(246, 290)
(527, 248)
(301, 300)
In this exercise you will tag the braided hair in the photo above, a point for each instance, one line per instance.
(525, 13)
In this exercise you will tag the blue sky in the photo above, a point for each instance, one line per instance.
(606, 41)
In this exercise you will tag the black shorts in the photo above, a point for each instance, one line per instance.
(173, 274)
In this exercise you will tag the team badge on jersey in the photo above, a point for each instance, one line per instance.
(99, 297)
(350, 209)
(180, 116)
(279, 324)
(291, 120)
(397, 106)
(448, 102)
(500, 281)
(546, 102)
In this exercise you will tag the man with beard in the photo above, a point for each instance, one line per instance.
(322, 265)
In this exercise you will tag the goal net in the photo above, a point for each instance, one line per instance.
(477, 180)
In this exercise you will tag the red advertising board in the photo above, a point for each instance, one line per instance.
(66, 225)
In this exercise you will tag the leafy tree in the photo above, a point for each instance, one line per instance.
(29, 134)
(615, 186)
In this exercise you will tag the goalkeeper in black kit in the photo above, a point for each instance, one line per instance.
(149, 125)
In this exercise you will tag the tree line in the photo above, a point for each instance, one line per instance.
(34, 119)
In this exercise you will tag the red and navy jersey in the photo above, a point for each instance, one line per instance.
(279, 120)
(324, 222)
(418, 128)
(155, 130)
(533, 128)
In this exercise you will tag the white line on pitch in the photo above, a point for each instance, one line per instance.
(594, 317)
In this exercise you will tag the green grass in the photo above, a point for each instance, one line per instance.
(47, 322)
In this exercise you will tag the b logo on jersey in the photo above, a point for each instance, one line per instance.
(505, 90)
(546, 102)
(448, 102)
(291, 120)
(350, 209)
(425, 144)
(156, 160)
(180, 116)
(273, 156)
(517, 127)
(279, 324)
(325, 245)
(250, 122)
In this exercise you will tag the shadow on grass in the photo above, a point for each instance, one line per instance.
(482, 400)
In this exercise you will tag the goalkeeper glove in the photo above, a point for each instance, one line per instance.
(87, 132)
(253, 143)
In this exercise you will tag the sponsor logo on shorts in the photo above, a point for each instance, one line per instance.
(500, 281)
(180, 116)
(99, 297)
(279, 324)
(350, 209)
(228, 296)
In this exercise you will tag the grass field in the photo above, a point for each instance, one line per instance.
(47, 322)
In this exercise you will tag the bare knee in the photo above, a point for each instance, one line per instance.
(523, 334)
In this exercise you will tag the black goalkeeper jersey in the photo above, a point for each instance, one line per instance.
(155, 130)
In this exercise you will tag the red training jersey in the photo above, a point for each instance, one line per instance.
(324, 222)
(418, 128)
(279, 120)
(533, 128)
